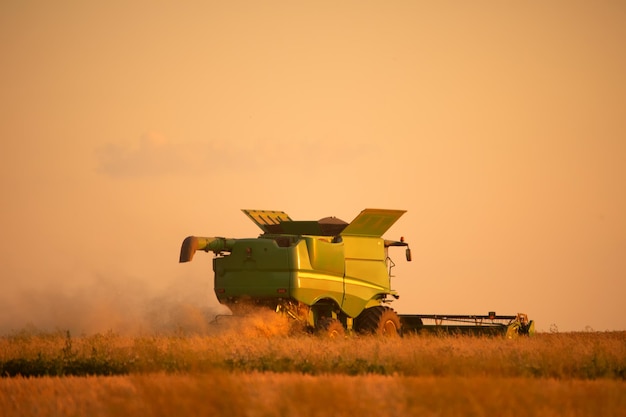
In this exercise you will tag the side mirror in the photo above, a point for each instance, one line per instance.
(408, 254)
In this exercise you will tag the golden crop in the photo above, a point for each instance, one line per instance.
(259, 368)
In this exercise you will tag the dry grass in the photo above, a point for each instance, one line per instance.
(263, 348)
(270, 394)
(259, 367)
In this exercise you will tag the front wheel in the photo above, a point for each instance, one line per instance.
(380, 321)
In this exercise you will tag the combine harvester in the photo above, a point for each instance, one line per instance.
(333, 276)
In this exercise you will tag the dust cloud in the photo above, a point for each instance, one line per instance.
(128, 307)
(131, 307)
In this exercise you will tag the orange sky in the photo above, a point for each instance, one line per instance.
(501, 128)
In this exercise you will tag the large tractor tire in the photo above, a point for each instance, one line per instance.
(380, 321)
(331, 328)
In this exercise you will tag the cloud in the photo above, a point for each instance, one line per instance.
(155, 156)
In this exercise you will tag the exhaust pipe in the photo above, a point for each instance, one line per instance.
(191, 244)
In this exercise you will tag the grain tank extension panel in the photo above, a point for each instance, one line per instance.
(372, 222)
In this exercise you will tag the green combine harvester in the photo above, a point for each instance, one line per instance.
(333, 276)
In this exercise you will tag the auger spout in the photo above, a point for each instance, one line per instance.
(191, 244)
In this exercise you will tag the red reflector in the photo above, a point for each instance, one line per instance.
(282, 290)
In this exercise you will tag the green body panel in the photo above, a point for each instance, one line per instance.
(259, 268)
(366, 276)
(352, 272)
(317, 278)
(324, 256)
(254, 268)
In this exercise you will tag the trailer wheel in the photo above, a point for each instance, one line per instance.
(380, 321)
(331, 328)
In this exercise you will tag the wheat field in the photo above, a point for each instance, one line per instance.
(262, 367)
(290, 394)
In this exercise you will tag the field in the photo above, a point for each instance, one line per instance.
(260, 367)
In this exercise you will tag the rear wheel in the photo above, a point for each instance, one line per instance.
(379, 320)
(331, 328)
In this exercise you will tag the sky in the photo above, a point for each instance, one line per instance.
(126, 126)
